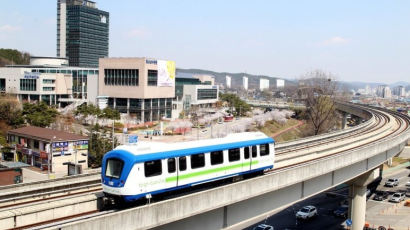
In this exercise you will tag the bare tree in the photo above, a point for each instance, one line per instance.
(318, 89)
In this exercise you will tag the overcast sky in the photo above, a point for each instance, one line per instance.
(355, 40)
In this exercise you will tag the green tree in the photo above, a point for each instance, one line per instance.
(99, 145)
(234, 101)
(39, 114)
(13, 57)
(110, 113)
(85, 110)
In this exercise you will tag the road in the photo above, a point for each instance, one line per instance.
(377, 212)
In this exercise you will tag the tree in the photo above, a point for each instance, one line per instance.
(10, 112)
(318, 89)
(234, 101)
(98, 145)
(110, 114)
(39, 114)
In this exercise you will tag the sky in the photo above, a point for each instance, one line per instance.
(365, 40)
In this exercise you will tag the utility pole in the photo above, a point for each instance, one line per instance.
(113, 123)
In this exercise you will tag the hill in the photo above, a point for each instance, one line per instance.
(13, 57)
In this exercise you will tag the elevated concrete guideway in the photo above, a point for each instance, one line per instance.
(240, 204)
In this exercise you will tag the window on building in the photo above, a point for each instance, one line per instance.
(153, 168)
(197, 161)
(48, 88)
(125, 77)
(206, 94)
(246, 152)
(264, 149)
(49, 81)
(182, 163)
(36, 144)
(152, 77)
(234, 154)
(254, 151)
(171, 165)
(217, 157)
(28, 84)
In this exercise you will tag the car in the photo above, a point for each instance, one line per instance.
(306, 212)
(408, 184)
(397, 197)
(392, 182)
(263, 227)
(380, 195)
(341, 211)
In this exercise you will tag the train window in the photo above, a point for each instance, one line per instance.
(246, 152)
(234, 154)
(171, 165)
(217, 157)
(153, 168)
(114, 167)
(182, 163)
(197, 161)
(264, 149)
(254, 151)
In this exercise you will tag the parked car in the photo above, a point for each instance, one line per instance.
(306, 212)
(408, 184)
(341, 211)
(263, 227)
(381, 195)
(397, 197)
(392, 182)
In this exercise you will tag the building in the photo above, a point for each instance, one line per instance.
(193, 91)
(245, 82)
(42, 147)
(399, 91)
(228, 81)
(82, 32)
(263, 84)
(11, 172)
(51, 80)
(280, 83)
(386, 92)
(139, 86)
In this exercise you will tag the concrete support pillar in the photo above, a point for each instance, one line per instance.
(390, 162)
(29, 98)
(357, 198)
(358, 206)
(344, 120)
(114, 102)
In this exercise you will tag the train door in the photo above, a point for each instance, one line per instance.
(246, 165)
(253, 157)
(172, 173)
(181, 168)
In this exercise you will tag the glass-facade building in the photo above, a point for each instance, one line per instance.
(82, 32)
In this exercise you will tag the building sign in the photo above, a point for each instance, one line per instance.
(60, 146)
(151, 61)
(79, 145)
(166, 73)
(30, 75)
(132, 139)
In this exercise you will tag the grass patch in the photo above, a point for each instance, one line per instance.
(273, 127)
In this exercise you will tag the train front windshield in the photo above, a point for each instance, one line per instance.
(114, 168)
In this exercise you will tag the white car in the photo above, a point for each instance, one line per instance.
(392, 182)
(408, 184)
(263, 227)
(306, 212)
(397, 197)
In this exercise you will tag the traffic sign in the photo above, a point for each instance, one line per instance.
(349, 222)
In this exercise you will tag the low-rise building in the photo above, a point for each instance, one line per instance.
(51, 80)
(49, 149)
(142, 87)
(11, 172)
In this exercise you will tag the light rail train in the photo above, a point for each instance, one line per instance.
(131, 172)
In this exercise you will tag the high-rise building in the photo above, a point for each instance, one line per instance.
(82, 32)
(245, 82)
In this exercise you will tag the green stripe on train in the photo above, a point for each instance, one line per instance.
(209, 171)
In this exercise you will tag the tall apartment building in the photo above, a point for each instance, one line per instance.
(82, 32)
